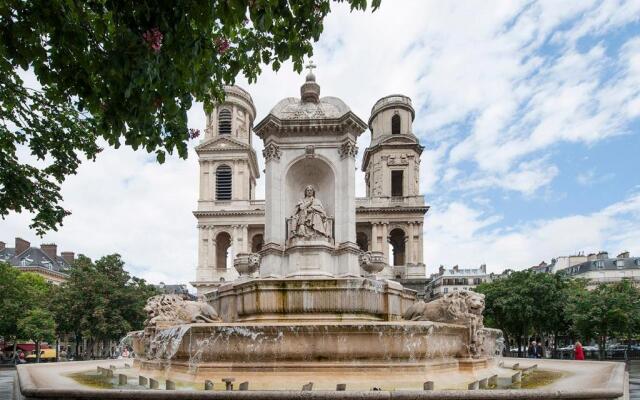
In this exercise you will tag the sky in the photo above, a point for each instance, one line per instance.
(529, 113)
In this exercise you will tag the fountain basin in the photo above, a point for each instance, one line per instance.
(579, 380)
(255, 344)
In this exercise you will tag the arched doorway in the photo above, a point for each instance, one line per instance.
(363, 241)
(397, 241)
(223, 244)
(256, 243)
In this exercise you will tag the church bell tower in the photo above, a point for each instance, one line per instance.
(228, 173)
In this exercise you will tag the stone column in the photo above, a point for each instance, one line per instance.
(245, 239)
(385, 241)
(204, 178)
(409, 244)
(235, 241)
(210, 191)
(420, 243)
(211, 251)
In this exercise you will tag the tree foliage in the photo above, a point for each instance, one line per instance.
(38, 325)
(101, 300)
(608, 310)
(126, 72)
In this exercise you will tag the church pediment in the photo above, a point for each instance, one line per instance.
(221, 143)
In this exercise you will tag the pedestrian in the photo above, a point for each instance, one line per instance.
(579, 351)
(531, 351)
(539, 351)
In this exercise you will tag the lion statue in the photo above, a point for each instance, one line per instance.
(174, 309)
(460, 307)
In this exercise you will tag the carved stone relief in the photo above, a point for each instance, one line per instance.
(348, 149)
(271, 151)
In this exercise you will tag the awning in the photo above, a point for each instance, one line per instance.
(26, 347)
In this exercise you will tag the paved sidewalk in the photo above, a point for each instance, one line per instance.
(7, 377)
(634, 380)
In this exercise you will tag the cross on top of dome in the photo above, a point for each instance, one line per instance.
(310, 76)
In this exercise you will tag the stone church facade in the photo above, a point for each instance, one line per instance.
(231, 220)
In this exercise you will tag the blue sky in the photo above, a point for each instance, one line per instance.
(529, 112)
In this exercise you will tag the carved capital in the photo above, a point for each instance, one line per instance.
(348, 149)
(271, 151)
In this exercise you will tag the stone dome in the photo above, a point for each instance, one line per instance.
(292, 108)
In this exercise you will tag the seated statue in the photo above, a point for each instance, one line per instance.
(309, 220)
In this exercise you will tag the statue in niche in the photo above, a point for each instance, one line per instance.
(309, 220)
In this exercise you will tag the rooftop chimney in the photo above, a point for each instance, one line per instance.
(624, 254)
(603, 255)
(68, 256)
(441, 270)
(21, 245)
(50, 249)
(591, 257)
(483, 268)
(3, 246)
(456, 268)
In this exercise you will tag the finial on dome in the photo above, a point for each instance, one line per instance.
(310, 76)
(310, 90)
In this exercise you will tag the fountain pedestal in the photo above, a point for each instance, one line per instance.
(311, 299)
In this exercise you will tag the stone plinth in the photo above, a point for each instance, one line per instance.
(315, 299)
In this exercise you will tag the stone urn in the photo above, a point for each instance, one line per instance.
(372, 262)
(246, 263)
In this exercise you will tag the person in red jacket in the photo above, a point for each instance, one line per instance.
(579, 351)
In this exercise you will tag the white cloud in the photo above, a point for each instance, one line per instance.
(460, 234)
(490, 101)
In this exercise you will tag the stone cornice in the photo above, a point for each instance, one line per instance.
(393, 209)
(392, 142)
(271, 125)
(223, 213)
(205, 148)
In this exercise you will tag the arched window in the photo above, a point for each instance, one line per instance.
(223, 243)
(395, 125)
(363, 241)
(396, 240)
(256, 243)
(223, 183)
(224, 122)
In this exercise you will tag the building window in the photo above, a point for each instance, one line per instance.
(396, 183)
(363, 241)
(620, 263)
(397, 241)
(600, 264)
(223, 244)
(224, 122)
(256, 243)
(446, 290)
(395, 125)
(223, 183)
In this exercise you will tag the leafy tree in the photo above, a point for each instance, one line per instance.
(525, 302)
(608, 310)
(21, 292)
(38, 325)
(126, 72)
(101, 301)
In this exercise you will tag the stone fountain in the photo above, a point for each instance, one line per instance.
(309, 307)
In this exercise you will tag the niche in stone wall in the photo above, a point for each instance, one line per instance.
(310, 171)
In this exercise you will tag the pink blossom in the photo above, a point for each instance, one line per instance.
(153, 37)
(222, 45)
(194, 133)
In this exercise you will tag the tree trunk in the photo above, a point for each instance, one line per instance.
(38, 351)
(57, 348)
(15, 350)
(519, 346)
